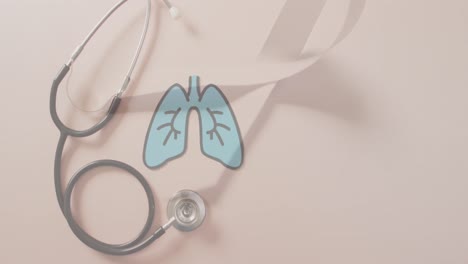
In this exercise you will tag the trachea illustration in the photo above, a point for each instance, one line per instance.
(220, 136)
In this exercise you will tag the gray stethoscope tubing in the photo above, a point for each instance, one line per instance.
(80, 48)
(186, 205)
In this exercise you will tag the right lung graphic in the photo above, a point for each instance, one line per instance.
(220, 137)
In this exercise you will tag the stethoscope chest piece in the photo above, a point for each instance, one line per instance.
(188, 210)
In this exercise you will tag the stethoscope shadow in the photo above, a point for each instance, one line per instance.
(323, 87)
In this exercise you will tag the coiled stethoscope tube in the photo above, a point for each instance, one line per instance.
(189, 209)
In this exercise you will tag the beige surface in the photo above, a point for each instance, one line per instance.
(360, 159)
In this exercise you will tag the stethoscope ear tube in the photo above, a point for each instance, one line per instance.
(65, 129)
(62, 73)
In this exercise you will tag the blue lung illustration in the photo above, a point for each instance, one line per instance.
(219, 132)
(167, 133)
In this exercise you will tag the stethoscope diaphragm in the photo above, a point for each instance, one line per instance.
(187, 209)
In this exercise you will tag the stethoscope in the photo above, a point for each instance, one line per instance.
(186, 209)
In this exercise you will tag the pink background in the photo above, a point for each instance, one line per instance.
(361, 158)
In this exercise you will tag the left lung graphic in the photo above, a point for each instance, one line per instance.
(220, 137)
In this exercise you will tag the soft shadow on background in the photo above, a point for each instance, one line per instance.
(323, 87)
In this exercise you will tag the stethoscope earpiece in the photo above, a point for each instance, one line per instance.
(174, 11)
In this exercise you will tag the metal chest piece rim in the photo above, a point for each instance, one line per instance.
(188, 210)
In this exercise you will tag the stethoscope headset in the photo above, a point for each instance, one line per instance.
(186, 209)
